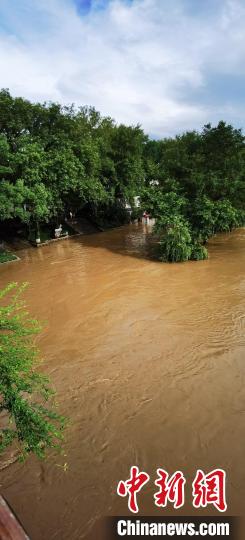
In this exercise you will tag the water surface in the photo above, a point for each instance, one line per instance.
(148, 363)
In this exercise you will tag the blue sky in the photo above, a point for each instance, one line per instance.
(170, 66)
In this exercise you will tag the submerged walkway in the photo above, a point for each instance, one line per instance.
(82, 225)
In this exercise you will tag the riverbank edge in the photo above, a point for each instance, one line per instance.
(14, 257)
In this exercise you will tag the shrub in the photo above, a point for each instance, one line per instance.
(226, 216)
(198, 252)
(175, 242)
(6, 256)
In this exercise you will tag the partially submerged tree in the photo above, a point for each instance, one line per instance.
(27, 418)
(175, 243)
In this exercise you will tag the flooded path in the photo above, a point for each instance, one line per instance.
(148, 363)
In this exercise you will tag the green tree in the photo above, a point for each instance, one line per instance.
(56, 158)
(26, 417)
(175, 242)
(5, 168)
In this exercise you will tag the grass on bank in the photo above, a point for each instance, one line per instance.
(6, 256)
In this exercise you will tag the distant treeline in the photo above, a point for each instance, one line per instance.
(58, 159)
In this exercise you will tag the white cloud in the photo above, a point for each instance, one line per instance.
(138, 62)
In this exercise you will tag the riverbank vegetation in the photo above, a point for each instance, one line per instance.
(57, 161)
(28, 422)
(6, 256)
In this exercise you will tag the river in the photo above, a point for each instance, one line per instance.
(148, 362)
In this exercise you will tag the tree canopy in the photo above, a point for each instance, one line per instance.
(55, 159)
(199, 191)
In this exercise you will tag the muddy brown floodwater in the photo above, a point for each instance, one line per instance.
(148, 363)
